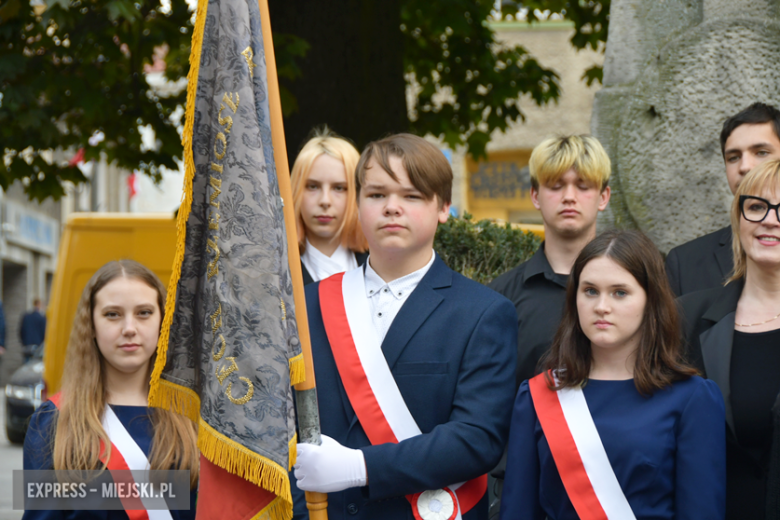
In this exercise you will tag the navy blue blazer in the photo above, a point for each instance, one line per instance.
(453, 350)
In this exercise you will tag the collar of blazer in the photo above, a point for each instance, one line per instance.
(717, 340)
(726, 302)
(724, 255)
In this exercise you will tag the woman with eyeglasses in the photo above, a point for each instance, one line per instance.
(733, 336)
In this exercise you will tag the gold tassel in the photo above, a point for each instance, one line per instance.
(276, 510)
(186, 205)
(176, 398)
(297, 370)
(241, 461)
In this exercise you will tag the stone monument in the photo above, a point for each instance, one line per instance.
(674, 70)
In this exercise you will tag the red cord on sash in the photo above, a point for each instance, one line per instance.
(359, 392)
(564, 450)
(134, 507)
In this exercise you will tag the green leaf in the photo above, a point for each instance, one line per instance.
(593, 74)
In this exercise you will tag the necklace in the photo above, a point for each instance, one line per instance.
(759, 323)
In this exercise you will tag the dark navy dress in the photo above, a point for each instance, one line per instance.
(668, 452)
(38, 455)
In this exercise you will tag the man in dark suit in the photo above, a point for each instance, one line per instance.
(746, 140)
(414, 362)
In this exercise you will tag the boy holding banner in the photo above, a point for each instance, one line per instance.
(414, 362)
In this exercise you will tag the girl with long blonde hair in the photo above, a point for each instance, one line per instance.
(111, 352)
(323, 183)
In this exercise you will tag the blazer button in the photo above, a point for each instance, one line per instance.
(352, 509)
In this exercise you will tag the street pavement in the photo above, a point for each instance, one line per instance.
(10, 459)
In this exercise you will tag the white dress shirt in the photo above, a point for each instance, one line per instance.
(321, 266)
(386, 299)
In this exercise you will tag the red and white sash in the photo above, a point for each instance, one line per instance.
(125, 455)
(373, 392)
(579, 455)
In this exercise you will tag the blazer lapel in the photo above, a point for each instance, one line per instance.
(420, 305)
(716, 343)
(307, 279)
(716, 351)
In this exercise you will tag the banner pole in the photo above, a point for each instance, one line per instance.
(305, 392)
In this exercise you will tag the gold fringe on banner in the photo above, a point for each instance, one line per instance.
(186, 205)
(297, 369)
(176, 398)
(259, 470)
(292, 450)
(276, 510)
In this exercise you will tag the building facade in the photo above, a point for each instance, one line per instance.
(499, 187)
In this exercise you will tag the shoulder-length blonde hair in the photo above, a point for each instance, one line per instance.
(325, 142)
(79, 429)
(765, 175)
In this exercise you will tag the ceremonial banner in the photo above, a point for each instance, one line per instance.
(229, 348)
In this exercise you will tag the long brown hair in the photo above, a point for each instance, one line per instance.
(659, 360)
(79, 429)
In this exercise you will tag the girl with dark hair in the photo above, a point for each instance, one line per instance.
(105, 387)
(618, 427)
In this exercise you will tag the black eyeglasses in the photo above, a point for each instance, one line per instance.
(755, 209)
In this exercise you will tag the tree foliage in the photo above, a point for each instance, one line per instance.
(467, 86)
(483, 250)
(78, 68)
(590, 18)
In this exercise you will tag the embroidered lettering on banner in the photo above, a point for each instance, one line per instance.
(213, 268)
(220, 139)
(214, 221)
(216, 185)
(228, 100)
(223, 371)
(212, 245)
(248, 54)
(227, 120)
(241, 400)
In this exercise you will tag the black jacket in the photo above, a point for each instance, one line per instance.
(708, 326)
(307, 279)
(703, 263)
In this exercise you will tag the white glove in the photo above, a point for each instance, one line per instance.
(330, 467)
